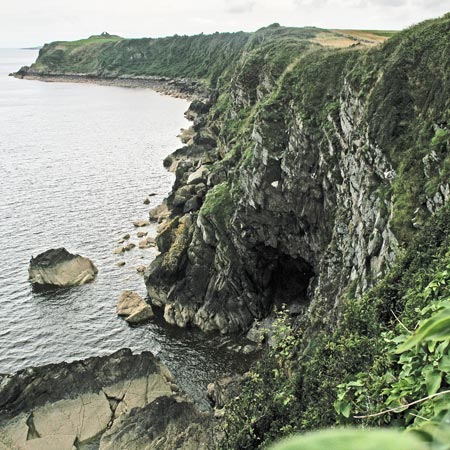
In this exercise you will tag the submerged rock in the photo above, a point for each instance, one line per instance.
(58, 405)
(58, 267)
(134, 307)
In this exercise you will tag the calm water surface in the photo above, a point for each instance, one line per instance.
(76, 162)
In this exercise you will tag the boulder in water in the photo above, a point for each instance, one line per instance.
(58, 267)
(134, 307)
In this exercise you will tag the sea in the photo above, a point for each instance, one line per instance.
(77, 161)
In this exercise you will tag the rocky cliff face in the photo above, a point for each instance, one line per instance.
(307, 168)
(300, 189)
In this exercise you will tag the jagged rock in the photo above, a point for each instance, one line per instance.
(58, 267)
(186, 135)
(164, 424)
(146, 201)
(227, 388)
(147, 242)
(141, 234)
(140, 223)
(141, 314)
(118, 250)
(199, 176)
(193, 204)
(54, 406)
(300, 229)
(140, 269)
(134, 307)
(260, 330)
(158, 213)
(125, 237)
(129, 247)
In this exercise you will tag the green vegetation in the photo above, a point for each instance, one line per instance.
(390, 348)
(311, 381)
(92, 40)
(208, 58)
(351, 439)
(218, 203)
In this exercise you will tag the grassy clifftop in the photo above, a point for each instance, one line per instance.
(200, 57)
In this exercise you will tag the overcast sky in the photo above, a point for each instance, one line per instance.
(34, 22)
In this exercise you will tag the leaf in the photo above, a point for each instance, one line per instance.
(343, 408)
(433, 380)
(353, 439)
(356, 383)
(436, 328)
(346, 410)
(444, 363)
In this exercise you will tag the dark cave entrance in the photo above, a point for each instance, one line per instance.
(289, 281)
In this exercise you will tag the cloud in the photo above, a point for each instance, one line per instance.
(239, 7)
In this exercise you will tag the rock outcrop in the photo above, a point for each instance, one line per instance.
(64, 406)
(134, 308)
(164, 424)
(58, 267)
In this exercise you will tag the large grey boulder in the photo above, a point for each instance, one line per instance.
(58, 267)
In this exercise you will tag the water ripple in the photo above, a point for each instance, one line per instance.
(76, 162)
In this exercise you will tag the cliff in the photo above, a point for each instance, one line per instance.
(308, 171)
(317, 160)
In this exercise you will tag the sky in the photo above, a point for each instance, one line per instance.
(29, 23)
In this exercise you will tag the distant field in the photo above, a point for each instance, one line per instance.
(369, 35)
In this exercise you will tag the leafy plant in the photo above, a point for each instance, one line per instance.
(354, 439)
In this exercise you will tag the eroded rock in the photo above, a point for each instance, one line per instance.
(58, 267)
(164, 424)
(134, 307)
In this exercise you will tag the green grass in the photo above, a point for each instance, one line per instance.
(99, 39)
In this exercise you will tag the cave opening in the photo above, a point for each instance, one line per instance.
(289, 283)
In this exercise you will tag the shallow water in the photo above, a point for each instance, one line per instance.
(76, 162)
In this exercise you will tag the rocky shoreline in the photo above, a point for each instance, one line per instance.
(119, 401)
(174, 87)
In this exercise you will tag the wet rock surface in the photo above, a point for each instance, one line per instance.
(58, 267)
